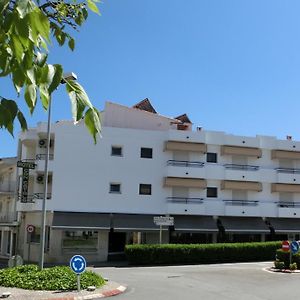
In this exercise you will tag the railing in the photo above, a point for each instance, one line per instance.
(288, 170)
(43, 156)
(184, 200)
(184, 163)
(7, 217)
(33, 197)
(241, 167)
(241, 202)
(288, 204)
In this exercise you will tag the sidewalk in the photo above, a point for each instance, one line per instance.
(109, 289)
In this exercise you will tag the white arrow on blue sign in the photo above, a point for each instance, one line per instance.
(294, 247)
(78, 264)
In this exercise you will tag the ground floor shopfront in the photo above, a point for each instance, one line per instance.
(98, 236)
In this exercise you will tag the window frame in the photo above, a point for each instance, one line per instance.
(115, 184)
(214, 154)
(213, 189)
(116, 147)
(146, 149)
(143, 185)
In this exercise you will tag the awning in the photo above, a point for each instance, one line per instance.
(243, 151)
(195, 224)
(285, 225)
(241, 185)
(244, 225)
(283, 154)
(132, 222)
(285, 187)
(185, 182)
(80, 220)
(185, 146)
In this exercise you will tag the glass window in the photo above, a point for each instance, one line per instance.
(35, 235)
(145, 189)
(115, 188)
(83, 240)
(116, 151)
(146, 152)
(211, 157)
(211, 192)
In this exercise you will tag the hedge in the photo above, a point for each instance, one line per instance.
(200, 253)
(56, 278)
(284, 256)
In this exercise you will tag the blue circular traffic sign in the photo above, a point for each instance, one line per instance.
(294, 247)
(78, 264)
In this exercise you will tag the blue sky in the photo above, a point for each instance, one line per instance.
(231, 65)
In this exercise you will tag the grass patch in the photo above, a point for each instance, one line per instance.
(61, 278)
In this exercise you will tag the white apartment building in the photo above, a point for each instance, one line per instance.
(217, 186)
(8, 216)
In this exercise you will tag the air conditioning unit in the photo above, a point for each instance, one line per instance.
(40, 179)
(42, 143)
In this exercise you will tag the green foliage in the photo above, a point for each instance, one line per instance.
(285, 257)
(27, 28)
(279, 264)
(200, 253)
(293, 266)
(57, 278)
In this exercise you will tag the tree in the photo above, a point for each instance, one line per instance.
(26, 30)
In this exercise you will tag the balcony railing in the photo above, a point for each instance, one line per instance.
(7, 217)
(32, 198)
(184, 163)
(241, 167)
(43, 156)
(241, 202)
(184, 200)
(288, 170)
(288, 204)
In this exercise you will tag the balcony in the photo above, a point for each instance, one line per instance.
(241, 167)
(184, 200)
(288, 175)
(36, 196)
(9, 217)
(184, 163)
(288, 209)
(288, 170)
(242, 208)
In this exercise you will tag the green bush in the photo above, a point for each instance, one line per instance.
(293, 266)
(200, 253)
(285, 257)
(57, 278)
(279, 264)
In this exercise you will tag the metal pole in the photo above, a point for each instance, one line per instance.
(78, 283)
(43, 222)
(160, 234)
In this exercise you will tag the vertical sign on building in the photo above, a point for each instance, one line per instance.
(25, 178)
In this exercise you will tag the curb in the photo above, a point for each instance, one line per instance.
(119, 290)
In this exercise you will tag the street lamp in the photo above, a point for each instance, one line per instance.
(66, 76)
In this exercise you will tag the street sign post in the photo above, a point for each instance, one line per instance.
(163, 221)
(78, 265)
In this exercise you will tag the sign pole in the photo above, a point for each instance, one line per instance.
(78, 283)
(160, 234)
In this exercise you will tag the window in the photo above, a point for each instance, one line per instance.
(35, 236)
(83, 240)
(145, 189)
(146, 152)
(211, 157)
(211, 192)
(115, 188)
(116, 151)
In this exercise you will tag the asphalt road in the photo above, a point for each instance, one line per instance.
(209, 282)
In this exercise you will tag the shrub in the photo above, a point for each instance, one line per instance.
(279, 264)
(56, 278)
(285, 257)
(293, 266)
(200, 253)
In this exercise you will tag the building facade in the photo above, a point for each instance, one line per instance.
(217, 186)
(8, 216)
